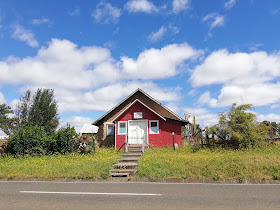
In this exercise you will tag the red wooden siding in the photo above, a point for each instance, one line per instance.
(164, 138)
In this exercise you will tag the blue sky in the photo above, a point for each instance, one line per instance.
(195, 57)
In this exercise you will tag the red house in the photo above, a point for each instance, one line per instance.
(139, 119)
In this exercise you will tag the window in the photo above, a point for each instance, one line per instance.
(110, 130)
(154, 128)
(137, 115)
(122, 127)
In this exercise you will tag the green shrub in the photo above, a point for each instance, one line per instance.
(65, 140)
(31, 140)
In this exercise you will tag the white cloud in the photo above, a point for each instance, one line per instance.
(88, 78)
(77, 122)
(229, 4)
(24, 35)
(275, 11)
(258, 95)
(214, 20)
(75, 12)
(105, 98)
(269, 117)
(180, 5)
(275, 106)
(62, 65)
(173, 107)
(239, 68)
(40, 21)
(105, 13)
(1, 26)
(158, 63)
(204, 98)
(155, 36)
(245, 77)
(2, 98)
(203, 117)
(141, 6)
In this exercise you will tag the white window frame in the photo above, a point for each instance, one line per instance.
(150, 122)
(119, 122)
(108, 129)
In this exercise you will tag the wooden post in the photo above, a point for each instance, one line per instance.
(194, 126)
(173, 141)
(191, 137)
(271, 133)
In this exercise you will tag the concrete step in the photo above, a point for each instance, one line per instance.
(131, 172)
(134, 145)
(129, 159)
(126, 165)
(135, 154)
(134, 149)
(119, 174)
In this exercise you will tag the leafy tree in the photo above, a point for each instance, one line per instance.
(275, 127)
(43, 110)
(22, 112)
(6, 122)
(241, 127)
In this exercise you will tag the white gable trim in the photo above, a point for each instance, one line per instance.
(145, 95)
(137, 100)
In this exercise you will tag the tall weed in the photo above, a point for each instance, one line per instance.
(211, 163)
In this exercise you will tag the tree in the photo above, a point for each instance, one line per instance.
(22, 111)
(40, 110)
(43, 110)
(6, 122)
(241, 127)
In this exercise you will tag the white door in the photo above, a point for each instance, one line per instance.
(137, 132)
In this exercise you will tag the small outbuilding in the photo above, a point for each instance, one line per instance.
(139, 119)
(89, 129)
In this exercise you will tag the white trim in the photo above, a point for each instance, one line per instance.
(144, 120)
(137, 100)
(119, 127)
(150, 121)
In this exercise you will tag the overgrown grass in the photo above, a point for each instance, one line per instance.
(60, 166)
(193, 162)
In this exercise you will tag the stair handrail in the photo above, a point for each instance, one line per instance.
(121, 147)
(124, 144)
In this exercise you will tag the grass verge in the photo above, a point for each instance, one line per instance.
(75, 166)
(191, 162)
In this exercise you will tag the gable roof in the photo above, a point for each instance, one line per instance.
(137, 100)
(145, 99)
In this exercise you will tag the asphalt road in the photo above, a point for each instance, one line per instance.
(108, 195)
